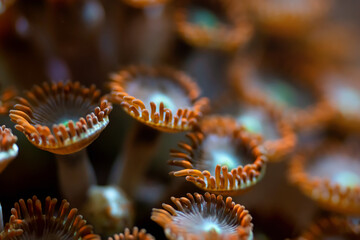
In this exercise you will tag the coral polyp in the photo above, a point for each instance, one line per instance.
(205, 216)
(329, 174)
(32, 221)
(160, 97)
(286, 18)
(8, 148)
(329, 228)
(267, 124)
(220, 158)
(135, 234)
(300, 100)
(74, 113)
(342, 90)
(213, 24)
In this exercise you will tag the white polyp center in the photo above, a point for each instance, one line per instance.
(203, 17)
(159, 97)
(224, 158)
(257, 121)
(157, 89)
(211, 227)
(251, 123)
(281, 91)
(338, 168)
(197, 222)
(218, 150)
(346, 98)
(347, 179)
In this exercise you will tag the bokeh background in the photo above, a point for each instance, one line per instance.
(86, 40)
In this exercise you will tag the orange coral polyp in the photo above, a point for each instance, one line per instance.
(31, 221)
(337, 191)
(223, 177)
(135, 234)
(8, 148)
(285, 18)
(158, 115)
(276, 148)
(227, 37)
(69, 109)
(331, 227)
(205, 216)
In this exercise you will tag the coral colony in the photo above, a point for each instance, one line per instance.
(179, 119)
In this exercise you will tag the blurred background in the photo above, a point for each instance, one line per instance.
(86, 40)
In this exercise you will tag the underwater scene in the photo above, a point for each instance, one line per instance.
(179, 120)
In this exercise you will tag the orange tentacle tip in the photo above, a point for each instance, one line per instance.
(216, 24)
(220, 157)
(8, 148)
(205, 216)
(61, 118)
(134, 234)
(160, 97)
(32, 220)
(330, 175)
(7, 100)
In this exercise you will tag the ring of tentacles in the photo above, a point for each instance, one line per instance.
(276, 149)
(330, 175)
(286, 17)
(302, 101)
(135, 234)
(160, 97)
(276, 136)
(213, 24)
(204, 217)
(8, 148)
(32, 221)
(220, 157)
(62, 118)
(331, 228)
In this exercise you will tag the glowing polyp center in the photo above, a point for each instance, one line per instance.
(204, 18)
(347, 179)
(65, 121)
(283, 93)
(208, 226)
(251, 123)
(347, 99)
(158, 97)
(224, 158)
